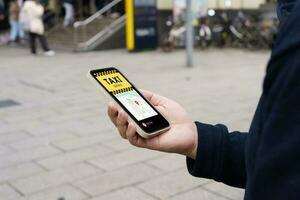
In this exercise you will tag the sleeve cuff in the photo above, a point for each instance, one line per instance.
(208, 159)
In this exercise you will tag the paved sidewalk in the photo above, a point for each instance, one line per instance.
(56, 140)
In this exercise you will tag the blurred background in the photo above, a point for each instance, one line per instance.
(97, 24)
(56, 141)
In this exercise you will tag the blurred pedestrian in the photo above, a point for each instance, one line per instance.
(114, 13)
(33, 12)
(48, 17)
(100, 4)
(86, 8)
(2, 10)
(69, 12)
(53, 5)
(3, 36)
(16, 30)
(20, 3)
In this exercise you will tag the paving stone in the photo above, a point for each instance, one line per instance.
(28, 115)
(124, 158)
(19, 171)
(169, 162)
(8, 193)
(41, 141)
(13, 136)
(113, 180)
(59, 118)
(41, 129)
(118, 144)
(80, 142)
(4, 150)
(62, 191)
(5, 127)
(105, 129)
(197, 194)
(54, 104)
(226, 191)
(73, 157)
(81, 127)
(125, 193)
(26, 156)
(53, 178)
(84, 106)
(170, 184)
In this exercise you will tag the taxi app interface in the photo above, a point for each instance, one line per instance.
(118, 86)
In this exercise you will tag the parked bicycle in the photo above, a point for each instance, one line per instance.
(223, 29)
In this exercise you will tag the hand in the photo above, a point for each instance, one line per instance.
(181, 138)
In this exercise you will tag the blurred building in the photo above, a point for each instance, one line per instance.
(219, 4)
(102, 32)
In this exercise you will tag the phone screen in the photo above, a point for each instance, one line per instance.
(130, 99)
(118, 86)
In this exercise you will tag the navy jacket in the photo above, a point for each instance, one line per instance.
(2, 7)
(266, 161)
(69, 1)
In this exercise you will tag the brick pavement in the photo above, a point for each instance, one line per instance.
(60, 143)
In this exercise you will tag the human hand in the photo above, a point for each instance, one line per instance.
(181, 138)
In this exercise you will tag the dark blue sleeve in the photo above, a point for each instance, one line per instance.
(277, 168)
(220, 155)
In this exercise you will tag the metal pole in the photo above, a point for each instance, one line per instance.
(189, 34)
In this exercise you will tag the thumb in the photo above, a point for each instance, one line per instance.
(162, 110)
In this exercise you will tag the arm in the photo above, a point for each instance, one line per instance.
(12, 8)
(40, 10)
(220, 155)
(37, 10)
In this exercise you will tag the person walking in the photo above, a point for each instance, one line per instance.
(69, 12)
(33, 12)
(16, 29)
(100, 4)
(86, 8)
(2, 10)
(265, 161)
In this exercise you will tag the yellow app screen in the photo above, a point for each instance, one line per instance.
(118, 86)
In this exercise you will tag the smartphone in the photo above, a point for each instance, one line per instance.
(149, 121)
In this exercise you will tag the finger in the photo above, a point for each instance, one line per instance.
(122, 124)
(146, 93)
(155, 99)
(122, 118)
(134, 138)
(112, 112)
(162, 110)
(131, 134)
